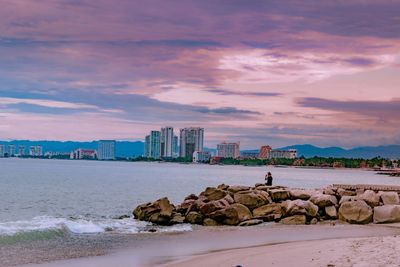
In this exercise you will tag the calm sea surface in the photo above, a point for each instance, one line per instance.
(87, 196)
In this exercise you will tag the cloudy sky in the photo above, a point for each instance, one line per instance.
(259, 72)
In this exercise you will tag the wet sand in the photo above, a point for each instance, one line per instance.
(249, 246)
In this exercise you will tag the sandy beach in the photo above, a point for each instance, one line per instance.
(265, 245)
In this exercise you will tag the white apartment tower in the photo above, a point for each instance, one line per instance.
(106, 150)
(167, 142)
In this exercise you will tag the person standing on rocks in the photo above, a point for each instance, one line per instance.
(268, 178)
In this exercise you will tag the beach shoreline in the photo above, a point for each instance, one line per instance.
(209, 245)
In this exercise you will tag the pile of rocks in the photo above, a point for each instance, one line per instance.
(244, 206)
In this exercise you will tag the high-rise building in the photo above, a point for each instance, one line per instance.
(2, 150)
(264, 152)
(21, 150)
(106, 150)
(228, 150)
(286, 154)
(152, 145)
(175, 147)
(167, 142)
(147, 146)
(35, 151)
(11, 150)
(191, 140)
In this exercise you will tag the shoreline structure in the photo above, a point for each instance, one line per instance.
(245, 206)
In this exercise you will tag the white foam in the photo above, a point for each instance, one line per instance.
(85, 226)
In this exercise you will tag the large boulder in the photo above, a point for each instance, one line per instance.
(252, 199)
(273, 208)
(347, 198)
(356, 211)
(300, 194)
(322, 200)
(294, 220)
(232, 215)
(159, 211)
(342, 192)
(279, 194)
(194, 218)
(212, 193)
(186, 205)
(331, 212)
(370, 197)
(177, 218)
(212, 206)
(210, 222)
(389, 198)
(237, 188)
(387, 214)
(300, 207)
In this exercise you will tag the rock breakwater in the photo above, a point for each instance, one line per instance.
(245, 206)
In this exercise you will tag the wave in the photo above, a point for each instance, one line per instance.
(85, 226)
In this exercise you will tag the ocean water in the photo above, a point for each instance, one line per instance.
(42, 198)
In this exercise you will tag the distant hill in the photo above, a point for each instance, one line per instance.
(123, 149)
(307, 151)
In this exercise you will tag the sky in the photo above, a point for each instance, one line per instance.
(256, 71)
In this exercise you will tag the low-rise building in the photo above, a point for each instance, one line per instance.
(35, 151)
(201, 156)
(2, 150)
(228, 150)
(285, 154)
(82, 153)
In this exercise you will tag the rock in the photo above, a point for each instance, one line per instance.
(185, 206)
(212, 193)
(232, 215)
(212, 206)
(323, 201)
(389, 198)
(191, 196)
(331, 212)
(330, 191)
(294, 220)
(279, 194)
(252, 199)
(300, 207)
(387, 214)
(263, 211)
(342, 192)
(251, 222)
(157, 218)
(194, 218)
(166, 208)
(300, 194)
(223, 187)
(154, 211)
(314, 221)
(347, 198)
(229, 199)
(177, 218)
(210, 222)
(370, 197)
(356, 211)
(237, 188)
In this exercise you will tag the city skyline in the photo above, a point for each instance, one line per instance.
(275, 72)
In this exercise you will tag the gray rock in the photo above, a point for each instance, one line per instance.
(323, 201)
(300, 207)
(331, 212)
(387, 214)
(356, 211)
(389, 198)
(370, 197)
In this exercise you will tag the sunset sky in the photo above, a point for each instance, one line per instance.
(259, 72)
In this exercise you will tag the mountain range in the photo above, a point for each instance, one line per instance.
(136, 148)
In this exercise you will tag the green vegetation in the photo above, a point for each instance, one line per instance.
(312, 162)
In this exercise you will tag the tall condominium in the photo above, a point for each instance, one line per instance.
(167, 142)
(11, 150)
(175, 147)
(228, 150)
(152, 145)
(2, 150)
(35, 151)
(106, 149)
(21, 150)
(191, 140)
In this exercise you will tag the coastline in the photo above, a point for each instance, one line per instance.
(211, 245)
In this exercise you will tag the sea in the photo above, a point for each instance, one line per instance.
(65, 204)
